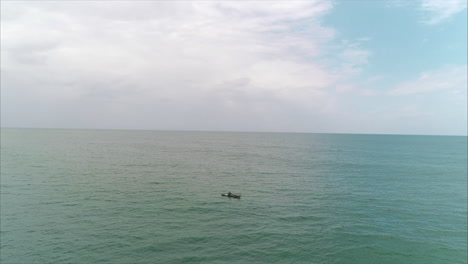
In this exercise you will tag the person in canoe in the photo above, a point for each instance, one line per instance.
(230, 194)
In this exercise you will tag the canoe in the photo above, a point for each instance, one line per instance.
(231, 196)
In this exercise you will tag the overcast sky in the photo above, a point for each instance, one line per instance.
(392, 67)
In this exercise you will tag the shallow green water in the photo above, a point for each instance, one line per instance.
(88, 196)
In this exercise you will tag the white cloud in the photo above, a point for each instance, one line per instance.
(438, 11)
(449, 78)
(156, 56)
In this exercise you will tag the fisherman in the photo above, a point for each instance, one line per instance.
(229, 194)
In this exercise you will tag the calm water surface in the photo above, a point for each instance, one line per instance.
(89, 196)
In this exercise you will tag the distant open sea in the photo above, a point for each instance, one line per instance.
(109, 196)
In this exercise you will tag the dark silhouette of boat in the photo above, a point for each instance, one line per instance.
(231, 195)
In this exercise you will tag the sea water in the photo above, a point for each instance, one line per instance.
(104, 196)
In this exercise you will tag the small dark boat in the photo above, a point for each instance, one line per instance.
(231, 195)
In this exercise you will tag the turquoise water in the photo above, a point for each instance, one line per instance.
(90, 196)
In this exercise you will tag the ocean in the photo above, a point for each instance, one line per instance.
(114, 196)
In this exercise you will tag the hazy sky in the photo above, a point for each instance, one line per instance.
(388, 66)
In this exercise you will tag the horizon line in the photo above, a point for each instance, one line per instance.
(232, 131)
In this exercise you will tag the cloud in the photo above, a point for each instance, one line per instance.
(448, 78)
(118, 62)
(438, 11)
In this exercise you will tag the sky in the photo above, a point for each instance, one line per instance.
(321, 66)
